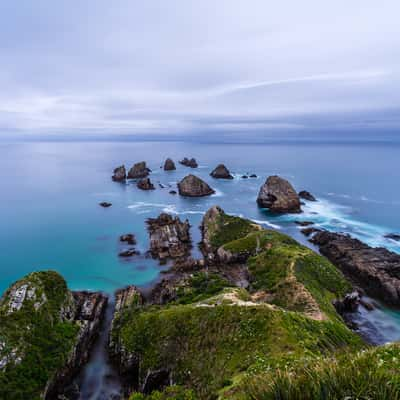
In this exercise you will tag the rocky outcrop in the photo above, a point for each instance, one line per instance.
(169, 237)
(169, 165)
(221, 172)
(208, 228)
(138, 171)
(145, 184)
(376, 270)
(306, 195)
(192, 186)
(119, 174)
(192, 163)
(105, 204)
(278, 195)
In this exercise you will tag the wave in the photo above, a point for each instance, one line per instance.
(218, 193)
(264, 222)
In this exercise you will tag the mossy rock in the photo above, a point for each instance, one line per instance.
(36, 336)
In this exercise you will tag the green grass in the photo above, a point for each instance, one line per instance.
(42, 340)
(206, 347)
(372, 374)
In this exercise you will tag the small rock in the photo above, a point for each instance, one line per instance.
(145, 184)
(172, 192)
(119, 174)
(244, 176)
(192, 163)
(393, 236)
(128, 238)
(105, 204)
(221, 172)
(139, 170)
(350, 303)
(169, 165)
(129, 253)
(192, 186)
(253, 176)
(306, 195)
(304, 223)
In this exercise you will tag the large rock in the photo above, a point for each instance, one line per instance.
(376, 270)
(169, 237)
(169, 165)
(278, 195)
(192, 163)
(145, 184)
(139, 170)
(192, 186)
(119, 174)
(221, 172)
(42, 322)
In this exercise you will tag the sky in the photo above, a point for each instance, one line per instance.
(181, 67)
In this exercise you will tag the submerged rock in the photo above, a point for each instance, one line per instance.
(192, 186)
(253, 176)
(309, 231)
(393, 236)
(169, 165)
(304, 223)
(192, 163)
(169, 237)
(221, 172)
(119, 174)
(139, 170)
(145, 184)
(172, 192)
(306, 195)
(376, 270)
(278, 195)
(129, 253)
(105, 204)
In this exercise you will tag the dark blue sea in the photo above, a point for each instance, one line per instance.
(50, 217)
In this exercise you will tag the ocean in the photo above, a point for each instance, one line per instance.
(50, 217)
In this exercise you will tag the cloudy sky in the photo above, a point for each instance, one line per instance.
(182, 67)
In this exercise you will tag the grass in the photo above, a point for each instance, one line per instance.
(372, 374)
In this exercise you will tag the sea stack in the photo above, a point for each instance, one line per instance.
(192, 163)
(169, 165)
(145, 184)
(119, 174)
(278, 195)
(221, 172)
(139, 170)
(192, 186)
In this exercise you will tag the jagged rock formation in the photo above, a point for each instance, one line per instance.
(138, 171)
(169, 237)
(119, 174)
(145, 184)
(278, 195)
(303, 194)
(192, 186)
(169, 165)
(376, 270)
(192, 163)
(221, 172)
(45, 327)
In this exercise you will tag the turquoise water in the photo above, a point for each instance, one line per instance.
(50, 192)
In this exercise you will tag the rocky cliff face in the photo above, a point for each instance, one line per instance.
(46, 335)
(138, 171)
(221, 172)
(169, 237)
(278, 195)
(376, 270)
(192, 186)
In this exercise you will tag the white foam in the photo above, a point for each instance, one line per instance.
(264, 222)
(218, 193)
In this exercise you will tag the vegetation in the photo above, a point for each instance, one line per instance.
(372, 374)
(170, 393)
(34, 339)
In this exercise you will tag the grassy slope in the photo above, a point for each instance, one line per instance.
(42, 340)
(211, 348)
